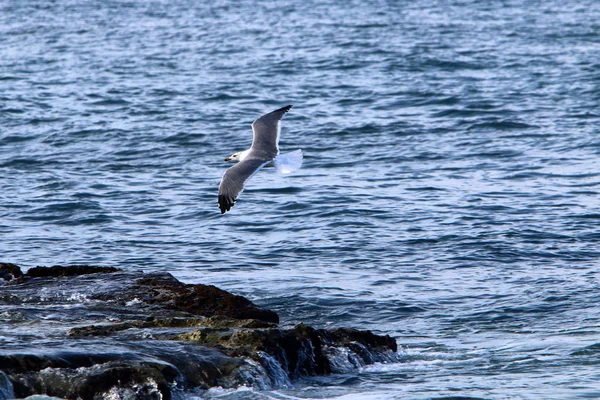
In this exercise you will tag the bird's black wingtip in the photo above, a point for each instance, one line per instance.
(285, 109)
(225, 203)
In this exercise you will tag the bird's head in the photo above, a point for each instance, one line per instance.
(235, 157)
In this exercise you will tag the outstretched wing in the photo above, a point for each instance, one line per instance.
(265, 143)
(232, 183)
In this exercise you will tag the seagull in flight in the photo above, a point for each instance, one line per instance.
(263, 152)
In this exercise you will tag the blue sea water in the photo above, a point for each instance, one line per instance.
(449, 195)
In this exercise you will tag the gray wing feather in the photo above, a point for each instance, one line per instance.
(265, 143)
(232, 183)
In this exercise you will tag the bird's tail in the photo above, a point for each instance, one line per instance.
(288, 162)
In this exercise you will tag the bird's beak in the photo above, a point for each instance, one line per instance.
(228, 159)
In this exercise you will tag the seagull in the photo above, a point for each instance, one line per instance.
(263, 152)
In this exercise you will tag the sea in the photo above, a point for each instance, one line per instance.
(449, 196)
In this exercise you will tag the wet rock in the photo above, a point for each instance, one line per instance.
(365, 338)
(210, 322)
(10, 271)
(149, 371)
(6, 388)
(199, 299)
(136, 290)
(298, 350)
(140, 381)
(301, 350)
(103, 332)
(70, 270)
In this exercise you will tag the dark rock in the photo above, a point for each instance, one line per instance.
(210, 322)
(200, 299)
(103, 332)
(6, 387)
(297, 350)
(155, 289)
(366, 338)
(10, 271)
(301, 350)
(71, 270)
(151, 373)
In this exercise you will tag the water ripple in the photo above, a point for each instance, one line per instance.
(449, 194)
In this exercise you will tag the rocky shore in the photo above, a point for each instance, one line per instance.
(95, 332)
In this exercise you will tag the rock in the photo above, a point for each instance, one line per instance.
(153, 289)
(6, 387)
(365, 338)
(301, 350)
(10, 271)
(207, 300)
(210, 322)
(149, 372)
(103, 332)
(71, 270)
(297, 350)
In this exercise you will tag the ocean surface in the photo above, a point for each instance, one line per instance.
(449, 197)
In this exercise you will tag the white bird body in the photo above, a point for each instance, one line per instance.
(263, 152)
